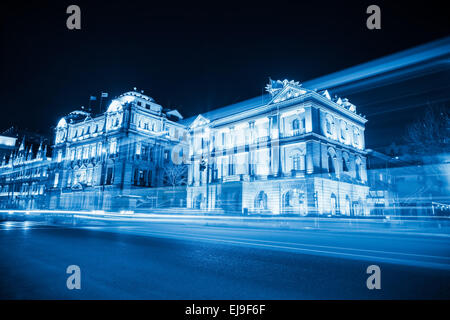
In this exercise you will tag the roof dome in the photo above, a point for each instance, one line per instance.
(62, 123)
(114, 106)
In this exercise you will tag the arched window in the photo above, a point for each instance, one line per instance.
(332, 161)
(345, 162)
(347, 209)
(298, 126)
(333, 204)
(294, 202)
(329, 122)
(358, 169)
(295, 124)
(356, 137)
(344, 165)
(331, 166)
(344, 129)
(261, 201)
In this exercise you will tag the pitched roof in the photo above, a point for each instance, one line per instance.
(231, 109)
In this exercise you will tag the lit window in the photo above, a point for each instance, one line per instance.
(296, 162)
(89, 176)
(343, 130)
(138, 148)
(55, 183)
(328, 125)
(113, 147)
(99, 149)
(344, 165)
(93, 151)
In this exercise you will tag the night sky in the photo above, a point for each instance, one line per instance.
(189, 55)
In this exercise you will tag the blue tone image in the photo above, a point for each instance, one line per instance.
(309, 190)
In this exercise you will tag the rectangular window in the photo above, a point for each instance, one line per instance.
(99, 149)
(150, 178)
(231, 167)
(138, 148)
(86, 153)
(144, 152)
(113, 147)
(93, 151)
(136, 177)
(89, 176)
(55, 183)
(109, 176)
(296, 162)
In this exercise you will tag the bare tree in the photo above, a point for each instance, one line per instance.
(431, 135)
(175, 174)
(430, 139)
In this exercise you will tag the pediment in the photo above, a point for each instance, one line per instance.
(199, 122)
(288, 92)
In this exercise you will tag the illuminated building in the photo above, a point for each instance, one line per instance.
(24, 178)
(291, 151)
(113, 160)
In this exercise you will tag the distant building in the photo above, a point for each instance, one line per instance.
(382, 198)
(24, 178)
(416, 184)
(291, 151)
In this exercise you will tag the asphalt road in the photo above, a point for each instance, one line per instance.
(156, 260)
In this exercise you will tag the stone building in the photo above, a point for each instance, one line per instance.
(24, 178)
(291, 151)
(114, 160)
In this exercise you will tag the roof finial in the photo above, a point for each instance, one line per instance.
(22, 145)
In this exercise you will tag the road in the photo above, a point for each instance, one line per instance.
(157, 260)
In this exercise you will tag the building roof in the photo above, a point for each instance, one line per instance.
(231, 109)
(278, 91)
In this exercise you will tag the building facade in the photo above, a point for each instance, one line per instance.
(114, 161)
(291, 151)
(24, 178)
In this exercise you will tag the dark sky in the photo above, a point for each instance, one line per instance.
(189, 55)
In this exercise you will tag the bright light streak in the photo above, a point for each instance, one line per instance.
(126, 211)
(390, 63)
